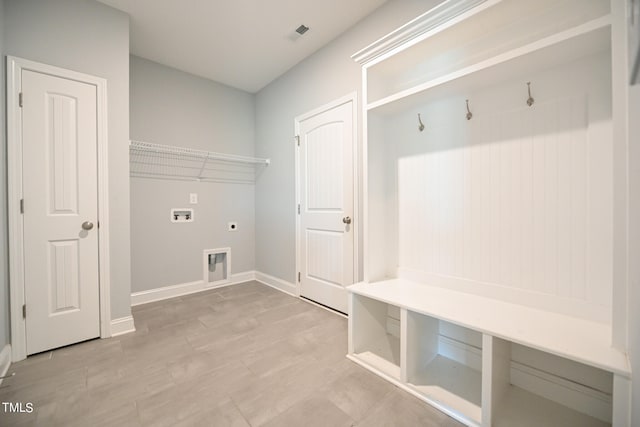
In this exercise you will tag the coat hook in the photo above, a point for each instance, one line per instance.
(530, 101)
(421, 125)
(469, 115)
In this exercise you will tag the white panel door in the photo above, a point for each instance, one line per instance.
(59, 128)
(326, 206)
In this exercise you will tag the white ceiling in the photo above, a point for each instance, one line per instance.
(241, 43)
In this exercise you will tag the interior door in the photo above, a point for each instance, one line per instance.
(59, 131)
(326, 206)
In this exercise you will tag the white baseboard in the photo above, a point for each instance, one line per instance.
(166, 292)
(121, 326)
(5, 360)
(460, 352)
(568, 393)
(159, 294)
(393, 327)
(279, 284)
(242, 277)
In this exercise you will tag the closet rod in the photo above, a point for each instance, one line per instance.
(149, 147)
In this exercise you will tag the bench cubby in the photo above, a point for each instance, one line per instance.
(378, 339)
(444, 364)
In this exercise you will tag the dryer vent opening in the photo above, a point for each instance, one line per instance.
(217, 266)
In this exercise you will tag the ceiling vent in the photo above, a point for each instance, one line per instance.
(302, 29)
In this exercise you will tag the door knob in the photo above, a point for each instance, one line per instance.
(346, 220)
(87, 225)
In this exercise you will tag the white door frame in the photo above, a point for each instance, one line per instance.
(353, 98)
(15, 66)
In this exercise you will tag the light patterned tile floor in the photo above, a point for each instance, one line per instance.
(243, 355)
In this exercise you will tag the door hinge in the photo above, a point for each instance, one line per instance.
(21, 206)
(298, 140)
(298, 276)
(298, 208)
(24, 311)
(20, 99)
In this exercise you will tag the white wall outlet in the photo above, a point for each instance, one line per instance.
(232, 226)
(193, 198)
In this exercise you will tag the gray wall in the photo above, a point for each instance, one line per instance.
(89, 37)
(327, 75)
(171, 107)
(4, 250)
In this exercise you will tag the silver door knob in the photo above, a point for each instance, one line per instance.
(346, 220)
(87, 225)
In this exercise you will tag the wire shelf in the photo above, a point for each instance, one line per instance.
(149, 160)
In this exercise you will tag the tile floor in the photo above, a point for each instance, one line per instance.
(244, 355)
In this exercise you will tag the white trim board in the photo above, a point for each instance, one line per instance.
(166, 292)
(159, 294)
(432, 21)
(279, 284)
(5, 361)
(15, 66)
(123, 325)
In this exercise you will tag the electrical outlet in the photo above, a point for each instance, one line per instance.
(193, 198)
(232, 226)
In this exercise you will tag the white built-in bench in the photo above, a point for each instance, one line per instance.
(485, 361)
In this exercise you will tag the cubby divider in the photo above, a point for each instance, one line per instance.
(445, 370)
(378, 339)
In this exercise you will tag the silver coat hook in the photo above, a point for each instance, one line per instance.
(421, 125)
(530, 101)
(469, 115)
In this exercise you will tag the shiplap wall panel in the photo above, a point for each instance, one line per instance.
(508, 207)
(514, 204)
